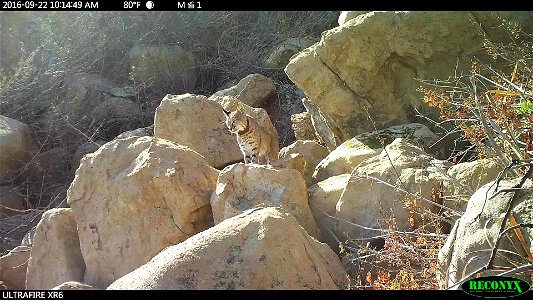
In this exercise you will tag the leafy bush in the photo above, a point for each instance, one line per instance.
(491, 107)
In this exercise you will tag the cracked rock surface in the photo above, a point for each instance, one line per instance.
(369, 65)
(132, 198)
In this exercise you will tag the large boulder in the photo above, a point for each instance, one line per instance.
(198, 123)
(13, 267)
(260, 249)
(55, 255)
(368, 201)
(312, 152)
(163, 67)
(343, 159)
(16, 145)
(241, 187)
(368, 66)
(475, 174)
(132, 198)
(254, 90)
(469, 245)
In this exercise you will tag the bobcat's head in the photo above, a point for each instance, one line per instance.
(237, 121)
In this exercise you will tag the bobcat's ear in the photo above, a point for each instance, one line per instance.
(226, 112)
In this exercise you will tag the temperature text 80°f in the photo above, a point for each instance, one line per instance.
(132, 4)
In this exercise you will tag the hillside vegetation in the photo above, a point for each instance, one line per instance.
(405, 161)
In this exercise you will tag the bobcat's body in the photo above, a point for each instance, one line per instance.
(257, 145)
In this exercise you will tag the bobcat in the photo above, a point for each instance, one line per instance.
(257, 145)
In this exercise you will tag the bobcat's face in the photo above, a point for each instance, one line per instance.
(236, 121)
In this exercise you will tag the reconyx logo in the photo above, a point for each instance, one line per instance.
(495, 287)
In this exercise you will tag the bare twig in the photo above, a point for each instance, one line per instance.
(520, 269)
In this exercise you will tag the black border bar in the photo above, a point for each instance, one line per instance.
(244, 294)
(270, 5)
